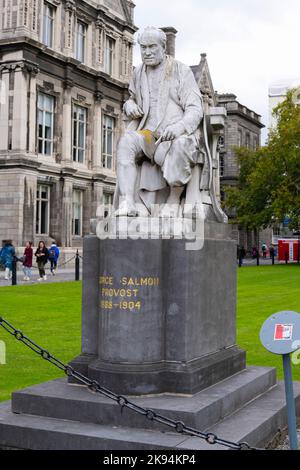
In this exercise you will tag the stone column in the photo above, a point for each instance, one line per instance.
(20, 111)
(99, 42)
(67, 127)
(97, 140)
(4, 84)
(30, 183)
(32, 112)
(67, 202)
(70, 10)
(171, 40)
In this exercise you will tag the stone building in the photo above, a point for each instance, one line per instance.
(242, 128)
(65, 68)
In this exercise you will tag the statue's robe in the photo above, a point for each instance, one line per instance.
(179, 101)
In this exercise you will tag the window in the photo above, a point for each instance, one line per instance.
(240, 138)
(109, 55)
(222, 165)
(42, 210)
(255, 143)
(79, 133)
(108, 142)
(107, 202)
(80, 41)
(45, 124)
(48, 23)
(77, 213)
(248, 141)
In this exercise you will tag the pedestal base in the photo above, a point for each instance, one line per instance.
(159, 317)
(164, 377)
(248, 406)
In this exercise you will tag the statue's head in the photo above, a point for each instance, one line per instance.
(153, 43)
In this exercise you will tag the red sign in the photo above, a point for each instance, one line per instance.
(288, 250)
(283, 332)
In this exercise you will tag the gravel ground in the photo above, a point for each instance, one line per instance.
(285, 444)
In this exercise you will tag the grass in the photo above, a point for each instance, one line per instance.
(263, 291)
(51, 316)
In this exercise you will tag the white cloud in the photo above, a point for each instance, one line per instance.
(249, 43)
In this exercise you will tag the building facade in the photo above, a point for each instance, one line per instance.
(242, 129)
(64, 69)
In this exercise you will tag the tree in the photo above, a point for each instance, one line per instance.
(268, 189)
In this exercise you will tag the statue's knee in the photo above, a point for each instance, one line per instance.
(181, 142)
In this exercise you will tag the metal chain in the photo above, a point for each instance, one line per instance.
(122, 401)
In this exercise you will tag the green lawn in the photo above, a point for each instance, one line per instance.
(50, 315)
(263, 291)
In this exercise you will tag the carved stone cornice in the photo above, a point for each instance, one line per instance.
(23, 65)
(70, 6)
(98, 96)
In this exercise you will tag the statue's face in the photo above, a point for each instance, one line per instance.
(152, 51)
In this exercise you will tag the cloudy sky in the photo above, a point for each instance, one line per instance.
(249, 43)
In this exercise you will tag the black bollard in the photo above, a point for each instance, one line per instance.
(257, 258)
(77, 267)
(14, 272)
(286, 257)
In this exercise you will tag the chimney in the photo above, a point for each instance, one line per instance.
(171, 39)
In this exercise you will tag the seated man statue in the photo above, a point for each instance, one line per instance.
(159, 149)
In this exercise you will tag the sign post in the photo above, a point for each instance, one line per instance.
(278, 335)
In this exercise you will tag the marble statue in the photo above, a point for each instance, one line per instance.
(157, 154)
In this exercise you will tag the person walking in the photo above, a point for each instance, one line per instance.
(264, 250)
(7, 255)
(42, 255)
(254, 252)
(27, 261)
(242, 254)
(53, 257)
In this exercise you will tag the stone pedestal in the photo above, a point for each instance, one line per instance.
(158, 318)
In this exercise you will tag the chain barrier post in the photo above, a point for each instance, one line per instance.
(14, 272)
(77, 267)
(122, 401)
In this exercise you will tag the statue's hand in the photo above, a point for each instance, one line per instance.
(132, 110)
(173, 132)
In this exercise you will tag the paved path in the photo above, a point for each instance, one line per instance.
(63, 275)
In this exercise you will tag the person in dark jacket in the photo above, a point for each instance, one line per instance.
(27, 261)
(42, 255)
(7, 255)
(53, 257)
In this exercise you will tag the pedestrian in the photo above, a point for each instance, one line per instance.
(53, 257)
(7, 255)
(242, 254)
(42, 255)
(264, 250)
(27, 261)
(272, 253)
(254, 252)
